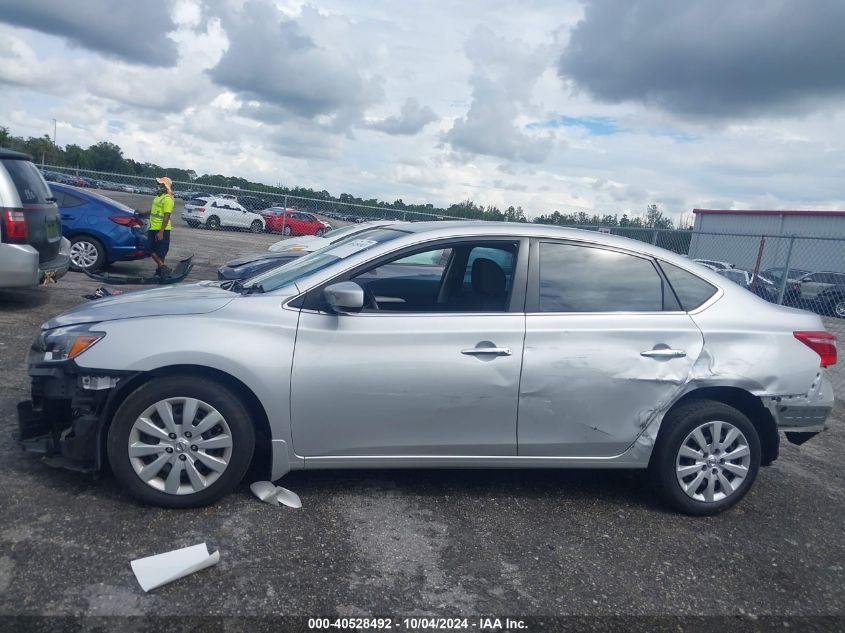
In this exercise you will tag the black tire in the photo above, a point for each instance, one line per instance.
(214, 394)
(256, 226)
(286, 230)
(92, 243)
(677, 425)
(212, 223)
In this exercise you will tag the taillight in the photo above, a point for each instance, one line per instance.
(14, 222)
(200, 209)
(822, 343)
(125, 220)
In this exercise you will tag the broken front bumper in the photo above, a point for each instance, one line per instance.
(803, 416)
(63, 422)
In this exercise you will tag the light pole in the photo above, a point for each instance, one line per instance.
(54, 132)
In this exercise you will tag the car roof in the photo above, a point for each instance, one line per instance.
(472, 228)
(13, 155)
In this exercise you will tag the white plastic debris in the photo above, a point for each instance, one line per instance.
(158, 570)
(275, 495)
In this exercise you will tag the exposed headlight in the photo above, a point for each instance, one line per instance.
(63, 343)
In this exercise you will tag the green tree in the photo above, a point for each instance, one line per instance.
(654, 218)
(105, 156)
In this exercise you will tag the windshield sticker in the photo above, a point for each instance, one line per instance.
(350, 248)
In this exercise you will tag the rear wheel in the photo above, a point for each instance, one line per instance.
(212, 223)
(256, 226)
(86, 253)
(706, 458)
(180, 442)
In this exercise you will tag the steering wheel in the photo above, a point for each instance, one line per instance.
(369, 297)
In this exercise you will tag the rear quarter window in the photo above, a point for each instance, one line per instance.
(692, 290)
(27, 180)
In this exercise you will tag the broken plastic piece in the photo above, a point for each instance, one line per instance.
(160, 569)
(275, 495)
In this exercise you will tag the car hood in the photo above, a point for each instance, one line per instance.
(257, 257)
(198, 298)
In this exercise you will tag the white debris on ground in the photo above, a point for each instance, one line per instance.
(160, 569)
(275, 495)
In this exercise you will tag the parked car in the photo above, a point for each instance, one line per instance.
(764, 287)
(214, 212)
(776, 274)
(613, 353)
(252, 203)
(822, 292)
(253, 264)
(293, 222)
(100, 230)
(32, 249)
(712, 263)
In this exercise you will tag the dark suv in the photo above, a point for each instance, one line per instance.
(32, 249)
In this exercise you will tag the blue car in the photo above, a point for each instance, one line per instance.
(100, 230)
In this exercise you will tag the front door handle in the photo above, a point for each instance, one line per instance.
(498, 351)
(664, 353)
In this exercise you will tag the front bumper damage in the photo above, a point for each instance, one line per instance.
(64, 420)
(803, 416)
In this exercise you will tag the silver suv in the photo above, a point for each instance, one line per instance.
(437, 344)
(32, 249)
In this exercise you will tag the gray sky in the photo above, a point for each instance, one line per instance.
(598, 105)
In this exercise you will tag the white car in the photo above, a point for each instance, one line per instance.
(214, 212)
(309, 243)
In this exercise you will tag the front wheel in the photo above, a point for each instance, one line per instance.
(256, 226)
(180, 442)
(706, 458)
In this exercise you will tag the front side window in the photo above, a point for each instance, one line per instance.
(576, 278)
(456, 277)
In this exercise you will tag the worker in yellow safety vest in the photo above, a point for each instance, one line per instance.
(158, 233)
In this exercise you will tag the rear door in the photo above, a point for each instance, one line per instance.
(814, 284)
(606, 345)
(43, 228)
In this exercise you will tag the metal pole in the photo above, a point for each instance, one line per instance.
(284, 214)
(54, 132)
(654, 239)
(757, 265)
(782, 288)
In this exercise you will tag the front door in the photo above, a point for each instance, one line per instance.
(606, 346)
(430, 366)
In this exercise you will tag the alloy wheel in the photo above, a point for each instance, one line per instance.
(713, 461)
(83, 254)
(180, 445)
(839, 308)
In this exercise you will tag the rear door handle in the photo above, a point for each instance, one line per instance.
(498, 351)
(664, 353)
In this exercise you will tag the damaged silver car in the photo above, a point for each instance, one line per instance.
(434, 345)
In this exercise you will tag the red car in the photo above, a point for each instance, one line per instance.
(293, 222)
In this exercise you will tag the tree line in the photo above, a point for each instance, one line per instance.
(108, 157)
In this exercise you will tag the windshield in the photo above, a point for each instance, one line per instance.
(297, 269)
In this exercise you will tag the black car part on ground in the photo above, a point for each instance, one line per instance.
(178, 274)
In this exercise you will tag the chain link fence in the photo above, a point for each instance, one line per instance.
(230, 208)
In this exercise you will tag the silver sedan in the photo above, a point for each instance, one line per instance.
(435, 345)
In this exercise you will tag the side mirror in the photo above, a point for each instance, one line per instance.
(345, 297)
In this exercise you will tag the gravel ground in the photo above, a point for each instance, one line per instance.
(410, 542)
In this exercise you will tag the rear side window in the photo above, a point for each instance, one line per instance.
(692, 290)
(585, 279)
(28, 181)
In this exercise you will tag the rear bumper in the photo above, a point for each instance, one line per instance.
(20, 268)
(804, 413)
(55, 269)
